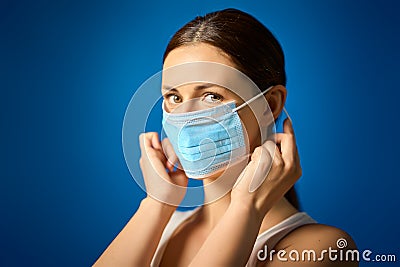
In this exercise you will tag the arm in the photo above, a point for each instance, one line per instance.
(231, 241)
(136, 243)
(265, 180)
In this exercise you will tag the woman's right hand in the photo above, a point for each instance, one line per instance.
(136, 244)
(156, 157)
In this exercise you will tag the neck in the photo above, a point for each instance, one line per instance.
(217, 193)
(215, 207)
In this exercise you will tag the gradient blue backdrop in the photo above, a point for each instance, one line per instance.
(68, 70)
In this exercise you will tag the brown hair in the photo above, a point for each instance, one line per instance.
(250, 45)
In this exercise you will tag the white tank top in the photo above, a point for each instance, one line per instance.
(270, 237)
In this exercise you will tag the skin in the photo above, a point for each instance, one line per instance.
(234, 221)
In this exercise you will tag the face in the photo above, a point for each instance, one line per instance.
(208, 94)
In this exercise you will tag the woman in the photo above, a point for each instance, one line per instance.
(241, 227)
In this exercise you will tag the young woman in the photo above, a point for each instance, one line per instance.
(241, 227)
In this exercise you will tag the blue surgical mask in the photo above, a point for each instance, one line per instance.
(207, 140)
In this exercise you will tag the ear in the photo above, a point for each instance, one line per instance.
(276, 98)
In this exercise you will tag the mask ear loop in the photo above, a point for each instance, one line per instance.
(252, 99)
(257, 96)
(287, 114)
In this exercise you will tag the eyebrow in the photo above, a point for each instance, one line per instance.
(198, 87)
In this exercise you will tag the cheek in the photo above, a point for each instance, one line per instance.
(251, 129)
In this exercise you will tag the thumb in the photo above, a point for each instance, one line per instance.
(179, 178)
(256, 171)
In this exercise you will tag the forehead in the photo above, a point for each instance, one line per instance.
(197, 52)
(202, 63)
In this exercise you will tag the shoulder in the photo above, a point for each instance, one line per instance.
(316, 245)
(317, 235)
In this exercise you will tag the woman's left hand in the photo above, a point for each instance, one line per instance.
(272, 171)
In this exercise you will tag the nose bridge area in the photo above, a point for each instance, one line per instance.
(189, 104)
(191, 98)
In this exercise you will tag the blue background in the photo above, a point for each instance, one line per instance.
(69, 68)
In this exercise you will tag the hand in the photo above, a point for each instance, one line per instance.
(271, 172)
(166, 187)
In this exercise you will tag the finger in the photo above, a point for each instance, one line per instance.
(244, 178)
(147, 149)
(271, 147)
(143, 143)
(288, 126)
(141, 140)
(170, 153)
(287, 114)
(146, 142)
(160, 155)
(288, 147)
(151, 140)
(283, 137)
(287, 130)
(179, 177)
(262, 165)
(155, 141)
(275, 153)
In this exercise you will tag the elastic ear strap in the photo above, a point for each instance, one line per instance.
(287, 114)
(252, 99)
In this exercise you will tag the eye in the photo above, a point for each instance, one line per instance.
(173, 98)
(213, 98)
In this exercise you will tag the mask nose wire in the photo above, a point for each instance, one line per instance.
(252, 99)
